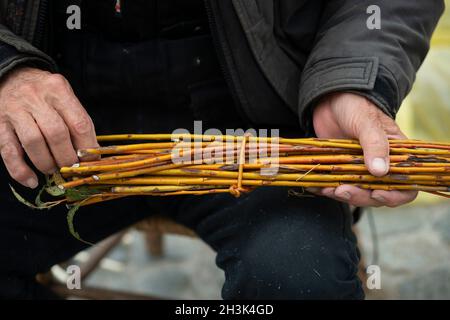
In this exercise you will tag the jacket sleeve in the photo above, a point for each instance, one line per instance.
(380, 64)
(15, 51)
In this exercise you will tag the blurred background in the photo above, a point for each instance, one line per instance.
(410, 244)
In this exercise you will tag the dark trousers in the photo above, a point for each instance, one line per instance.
(269, 244)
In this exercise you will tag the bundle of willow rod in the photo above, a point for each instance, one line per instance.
(147, 167)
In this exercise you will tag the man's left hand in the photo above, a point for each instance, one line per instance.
(347, 115)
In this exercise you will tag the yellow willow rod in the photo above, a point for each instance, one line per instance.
(419, 151)
(442, 167)
(322, 167)
(357, 168)
(224, 138)
(306, 177)
(421, 164)
(111, 160)
(304, 184)
(120, 137)
(136, 147)
(119, 166)
(329, 159)
(116, 175)
(218, 181)
(412, 142)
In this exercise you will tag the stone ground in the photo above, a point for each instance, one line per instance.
(413, 251)
(413, 254)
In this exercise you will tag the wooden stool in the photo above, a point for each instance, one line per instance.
(154, 229)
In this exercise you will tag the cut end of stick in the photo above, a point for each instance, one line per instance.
(82, 153)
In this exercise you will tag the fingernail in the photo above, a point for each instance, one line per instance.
(32, 183)
(344, 195)
(378, 198)
(379, 165)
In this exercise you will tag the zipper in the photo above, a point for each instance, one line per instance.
(225, 61)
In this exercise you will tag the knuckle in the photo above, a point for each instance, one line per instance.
(19, 173)
(56, 80)
(27, 87)
(8, 152)
(9, 109)
(377, 141)
(31, 140)
(56, 133)
(377, 146)
(83, 125)
(47, 168)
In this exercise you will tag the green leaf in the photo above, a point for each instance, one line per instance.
(25, 201)
(70, 217)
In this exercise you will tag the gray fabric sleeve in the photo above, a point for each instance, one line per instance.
(15, 51)
(379, 64)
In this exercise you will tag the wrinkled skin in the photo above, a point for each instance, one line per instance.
(347, 115)
(41, 117)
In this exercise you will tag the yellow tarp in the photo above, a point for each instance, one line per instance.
(425, 114)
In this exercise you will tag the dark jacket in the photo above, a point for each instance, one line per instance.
(280, 56)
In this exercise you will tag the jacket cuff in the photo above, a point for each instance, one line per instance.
(331, 75)
(384, 94)
(11, 58)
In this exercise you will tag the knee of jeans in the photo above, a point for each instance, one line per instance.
(293, 265)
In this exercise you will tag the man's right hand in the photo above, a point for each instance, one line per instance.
(41, 116)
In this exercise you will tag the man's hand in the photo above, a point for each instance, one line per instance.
(40, 116)
(346, 115)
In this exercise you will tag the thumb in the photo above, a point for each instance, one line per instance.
(375, 144)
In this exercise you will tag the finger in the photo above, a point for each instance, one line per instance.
(329, 192)
(33, 142)
(375, 145)
(78, 121)
(356, 196)
(57, 136)
(12, 155)
(394, 198)
(316, 191)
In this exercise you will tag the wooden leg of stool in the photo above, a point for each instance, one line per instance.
(155, 241)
